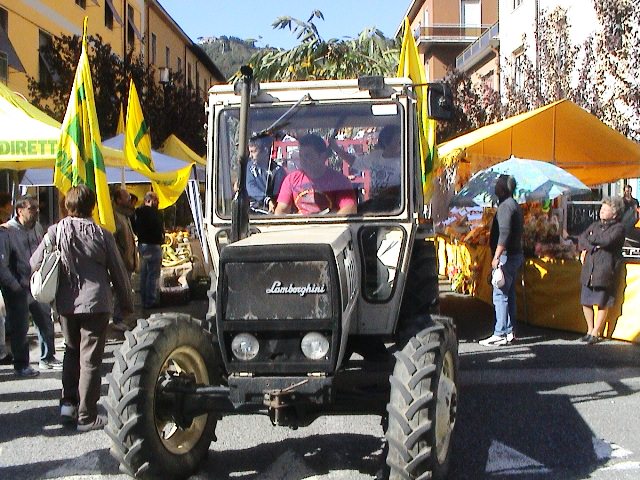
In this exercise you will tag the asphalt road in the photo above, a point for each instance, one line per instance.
(546, 407)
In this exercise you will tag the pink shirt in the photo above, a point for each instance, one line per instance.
(331, 191)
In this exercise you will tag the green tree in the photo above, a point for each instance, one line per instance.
(175, 109)
(316, 58)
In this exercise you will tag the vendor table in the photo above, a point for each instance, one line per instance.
(548, 293)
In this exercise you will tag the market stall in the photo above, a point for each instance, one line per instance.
(549, 291)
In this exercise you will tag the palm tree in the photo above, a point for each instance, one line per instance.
(315, 58)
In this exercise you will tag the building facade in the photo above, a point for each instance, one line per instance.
(143, 26)
(445, 28)
(519, 20)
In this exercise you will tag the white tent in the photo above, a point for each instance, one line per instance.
(163, 163)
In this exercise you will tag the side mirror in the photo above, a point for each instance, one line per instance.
(440, 99)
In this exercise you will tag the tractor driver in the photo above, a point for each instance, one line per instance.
(315, 188)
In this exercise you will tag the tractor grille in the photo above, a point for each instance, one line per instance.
(278, 302)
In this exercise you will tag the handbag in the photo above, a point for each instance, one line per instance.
(44, 281)
(497, 277)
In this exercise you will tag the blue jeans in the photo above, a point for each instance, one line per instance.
(504, 299)
(17, 319)
(150, 264)
(41, 316)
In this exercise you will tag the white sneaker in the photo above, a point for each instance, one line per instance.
(493, 340)
(69, 413)
(511, 337)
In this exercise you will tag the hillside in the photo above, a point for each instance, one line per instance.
(228, 53)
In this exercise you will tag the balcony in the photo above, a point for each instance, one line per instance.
(479, 49)
(449, 34)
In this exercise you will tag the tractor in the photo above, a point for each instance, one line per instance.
(311, 312)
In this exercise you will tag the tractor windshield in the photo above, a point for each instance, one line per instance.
(315, 159)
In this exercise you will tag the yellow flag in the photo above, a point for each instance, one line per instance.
(411, 66)
(137, 152)
(120, 127)
(79, 158)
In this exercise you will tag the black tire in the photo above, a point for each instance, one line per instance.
(145, 445)
(423, 403)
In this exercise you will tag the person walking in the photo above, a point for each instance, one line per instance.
(25, 234)
(148, 227)
(90, 264)
(506, 245)
(126, 242)
(601, 252)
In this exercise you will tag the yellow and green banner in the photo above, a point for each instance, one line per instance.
(137, 151)
(412, 67)
(79, 158)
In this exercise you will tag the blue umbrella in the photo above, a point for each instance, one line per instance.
(536, 181)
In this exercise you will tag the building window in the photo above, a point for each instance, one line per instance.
(4, 67)
(45, 71)
(518, 69)
(487, 81)
(108, 16)
(4, 20)
(471, 13)
(82, 3)
(167, 57)
(189, 82)
(197, 82)
(154, 45)
(132, 30)
(179, 63)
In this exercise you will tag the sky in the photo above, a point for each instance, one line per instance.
(253, 18)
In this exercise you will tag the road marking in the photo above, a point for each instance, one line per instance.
(505, 460)
(605, 450)
(623, 466)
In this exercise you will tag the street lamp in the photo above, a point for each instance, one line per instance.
(165, 76)
(165, 81)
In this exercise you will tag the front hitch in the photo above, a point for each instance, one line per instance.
(179, 399)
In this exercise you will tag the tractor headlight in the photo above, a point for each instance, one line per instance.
(245, 346)
(315, 346)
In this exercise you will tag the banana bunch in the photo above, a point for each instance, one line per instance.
(176, 249)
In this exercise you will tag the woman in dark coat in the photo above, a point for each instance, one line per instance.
(601, 246)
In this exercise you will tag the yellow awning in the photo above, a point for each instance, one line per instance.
(29, 137)
(561, 133)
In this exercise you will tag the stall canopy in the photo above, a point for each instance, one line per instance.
(29, 137)
(175, 147)
(561, 133)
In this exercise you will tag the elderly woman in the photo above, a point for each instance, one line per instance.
(601, 246)
(90, 264)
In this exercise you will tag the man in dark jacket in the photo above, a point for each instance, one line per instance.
(148, 227)
(16, 304)
(506, 245)
(25, 234)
